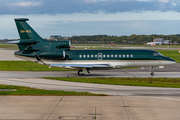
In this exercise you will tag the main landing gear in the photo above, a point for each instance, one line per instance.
(151, 69)
(83, 71)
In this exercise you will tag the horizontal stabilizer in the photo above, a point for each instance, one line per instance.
(13, 42)
(29, 41)
(21, 19)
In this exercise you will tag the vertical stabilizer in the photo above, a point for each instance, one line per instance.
(25, 31)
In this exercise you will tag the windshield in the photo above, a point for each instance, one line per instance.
(157, 54)
(160, 54)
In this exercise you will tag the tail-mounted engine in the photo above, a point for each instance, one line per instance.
(59, 54)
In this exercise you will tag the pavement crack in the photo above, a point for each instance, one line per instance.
(125, 107)
(55, 108)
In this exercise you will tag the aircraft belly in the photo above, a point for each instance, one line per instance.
(139, 63)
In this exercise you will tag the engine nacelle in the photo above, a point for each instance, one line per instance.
(63, 44)
(58, 54)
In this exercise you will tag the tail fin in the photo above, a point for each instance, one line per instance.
(31, 41)
(25, 31)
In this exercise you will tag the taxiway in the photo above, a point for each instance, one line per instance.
(123, 102)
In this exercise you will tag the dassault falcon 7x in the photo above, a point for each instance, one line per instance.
(58, 54)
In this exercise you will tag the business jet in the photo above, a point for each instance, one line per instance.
(58, 54)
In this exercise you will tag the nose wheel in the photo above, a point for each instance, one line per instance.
(151, 69)
(152, 74)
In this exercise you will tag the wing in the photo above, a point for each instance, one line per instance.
(82, 65)
(73, 65)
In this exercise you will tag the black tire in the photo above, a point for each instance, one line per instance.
(152, 74)
(88, 71)
(79, 73)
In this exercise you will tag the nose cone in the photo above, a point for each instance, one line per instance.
(169, 60)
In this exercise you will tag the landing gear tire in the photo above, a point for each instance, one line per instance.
(80, 73)
(152, 74)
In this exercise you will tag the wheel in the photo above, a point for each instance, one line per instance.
(80, 73)
(152, 74)
(88, 71)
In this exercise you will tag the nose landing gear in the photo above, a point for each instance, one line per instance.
(152, 74)
(151, 69)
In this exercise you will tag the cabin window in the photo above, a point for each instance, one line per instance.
(112, 56)
(95, 56)
(123, 56)
(115, 56)
(104, 56)
(84, 56)
(131, 55)
(119, 56)
(92, 56)
(80, 56)
(127, 55)
(108, 56)
(87, 56)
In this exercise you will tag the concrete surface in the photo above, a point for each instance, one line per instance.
(92, 88)
(127, 102)
(89, 108)
(8, 55)
(100, 73)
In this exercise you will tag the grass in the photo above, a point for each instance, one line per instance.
(150, 82)
(26, 66)
(8, 46)
(97, 46)
(109, 45)
(174, 54)
(31, 66)
(20, 90)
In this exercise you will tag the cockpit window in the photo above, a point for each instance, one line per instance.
(160, 54)
(155, 53)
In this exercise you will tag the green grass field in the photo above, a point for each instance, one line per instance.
(150, 82)
(174, 54)
(26, 66)
(97, 46)
(8, 46)
(109, 45)
(20, 90)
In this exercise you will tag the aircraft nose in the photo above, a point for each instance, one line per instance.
(169, 59)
